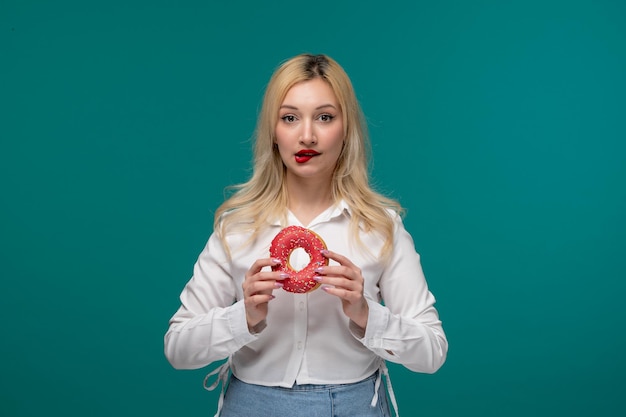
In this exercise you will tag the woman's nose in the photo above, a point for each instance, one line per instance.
(308, 135)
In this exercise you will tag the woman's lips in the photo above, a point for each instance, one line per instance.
(305, 155)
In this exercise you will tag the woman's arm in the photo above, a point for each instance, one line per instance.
(210, 324)
(406, 329)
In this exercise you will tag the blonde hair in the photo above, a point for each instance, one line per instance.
(263, 198)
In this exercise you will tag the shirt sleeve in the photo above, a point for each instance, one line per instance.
(210, 324)
(406, 329)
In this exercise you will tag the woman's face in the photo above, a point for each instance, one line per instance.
(309, 130)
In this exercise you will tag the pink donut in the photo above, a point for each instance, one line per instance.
(284, 243)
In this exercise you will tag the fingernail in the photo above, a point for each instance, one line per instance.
(276, 261)
(319, 270)
(284, 275)
(324, 252)
(278, 285)
(318, 278)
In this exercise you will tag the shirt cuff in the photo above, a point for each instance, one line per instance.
(239, 325)
(377, 321)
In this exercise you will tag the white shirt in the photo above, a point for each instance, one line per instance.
(308, 338)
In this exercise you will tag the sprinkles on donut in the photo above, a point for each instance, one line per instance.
(284, 243)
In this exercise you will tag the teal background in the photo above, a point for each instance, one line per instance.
(499, 125)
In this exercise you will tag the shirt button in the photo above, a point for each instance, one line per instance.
(299, 345)
(301, 305)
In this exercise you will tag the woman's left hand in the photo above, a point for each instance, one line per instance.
(346, 282)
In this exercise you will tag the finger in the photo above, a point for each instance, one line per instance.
(261, 263)
(352, 273)
(255, 300)
(260, 287)
(337, 281)
(269, 276)
(342, 293)
(263, 286)
(342, 260)
(255, 273)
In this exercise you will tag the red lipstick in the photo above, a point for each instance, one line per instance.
(305, 155)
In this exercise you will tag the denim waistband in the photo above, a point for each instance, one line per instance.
(324, 387)
(223, 373)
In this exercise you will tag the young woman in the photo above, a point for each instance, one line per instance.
(319, 353)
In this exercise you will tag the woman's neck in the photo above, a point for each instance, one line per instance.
(308, 198)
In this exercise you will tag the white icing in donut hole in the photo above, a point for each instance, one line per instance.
(298, 254)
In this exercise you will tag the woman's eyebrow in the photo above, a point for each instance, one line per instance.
(323, 106)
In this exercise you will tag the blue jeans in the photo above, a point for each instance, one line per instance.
(341, 400)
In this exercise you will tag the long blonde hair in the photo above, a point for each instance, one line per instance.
(263, 198)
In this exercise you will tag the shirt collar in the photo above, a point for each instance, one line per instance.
(332, 212)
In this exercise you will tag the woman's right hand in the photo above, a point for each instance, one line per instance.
(257, 289)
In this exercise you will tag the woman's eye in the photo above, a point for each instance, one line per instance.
(288, 118)
(326, 117)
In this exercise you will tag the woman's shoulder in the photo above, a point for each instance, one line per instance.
(233, 216)
(230, 226)
(394, 213)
